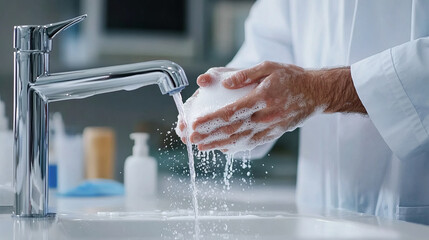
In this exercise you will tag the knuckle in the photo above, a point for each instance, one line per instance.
(239, 77)
(265, 64)
(288, 65)
(229, 111)
(269, 64)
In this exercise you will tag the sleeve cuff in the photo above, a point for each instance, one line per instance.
(388, 105)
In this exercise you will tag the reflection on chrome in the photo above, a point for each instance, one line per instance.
(35, 87)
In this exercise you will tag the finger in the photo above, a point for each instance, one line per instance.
(227, 112)
(225, 142)
(181, 125)
(273, 131)
(257, 137)
(267, 115)
(268, 135)
(265, 139)
(204, 80)
(228, 130)
(248, 76)
(241, 79)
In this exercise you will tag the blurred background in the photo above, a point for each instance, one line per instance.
(196, 34)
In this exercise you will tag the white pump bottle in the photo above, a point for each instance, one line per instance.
(140, 170)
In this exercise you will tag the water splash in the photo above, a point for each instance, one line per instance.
(179, 104)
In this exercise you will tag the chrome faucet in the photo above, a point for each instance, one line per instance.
(35, 88)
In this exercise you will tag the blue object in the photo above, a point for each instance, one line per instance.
(96, 188)
(52, 175)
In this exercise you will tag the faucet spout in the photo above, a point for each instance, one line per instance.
(169, 76)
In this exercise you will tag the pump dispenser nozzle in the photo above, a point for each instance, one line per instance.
(140, 144)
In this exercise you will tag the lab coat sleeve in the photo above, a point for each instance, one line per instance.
(267, 38)
(394, 88)
(267, 35)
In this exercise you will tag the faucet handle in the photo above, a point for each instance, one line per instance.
(37, 38)
(53, 29)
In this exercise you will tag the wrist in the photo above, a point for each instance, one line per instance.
(334, 90)
(318, 89)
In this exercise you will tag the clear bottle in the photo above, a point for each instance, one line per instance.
(141, 170)
(67, 155)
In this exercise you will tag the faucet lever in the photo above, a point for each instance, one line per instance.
(53, 29)
(36, 38)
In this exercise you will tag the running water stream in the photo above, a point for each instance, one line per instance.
(179, 104)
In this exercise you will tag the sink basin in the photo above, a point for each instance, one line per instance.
(227, 225)
(230, 226)
(261, 212)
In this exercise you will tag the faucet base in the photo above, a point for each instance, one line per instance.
(49, 215)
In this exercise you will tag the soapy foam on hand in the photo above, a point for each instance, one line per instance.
(211, 98)
(214, 97)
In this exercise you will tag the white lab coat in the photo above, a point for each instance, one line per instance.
(376, 164)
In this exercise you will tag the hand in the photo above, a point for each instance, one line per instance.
(204, 80)
(285, 96)
(278, 104)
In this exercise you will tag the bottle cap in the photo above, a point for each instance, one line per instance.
(141, 147)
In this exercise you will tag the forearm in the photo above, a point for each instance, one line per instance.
(334, 89)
